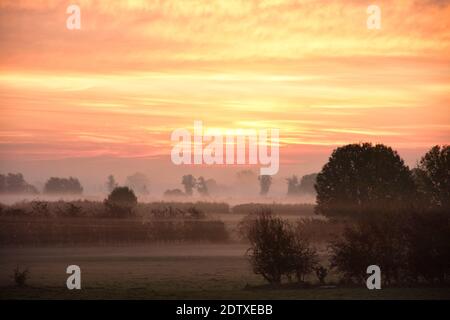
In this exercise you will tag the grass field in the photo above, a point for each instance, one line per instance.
(176, 271)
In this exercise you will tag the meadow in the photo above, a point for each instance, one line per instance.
(165, 251)
(169, 271)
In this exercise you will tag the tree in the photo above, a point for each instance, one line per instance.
(121, 202)
(139, 182)
(304, 186)
(361, 176)
(173, 193)
(276, 250)
(111, 183)
(63, 186)
(409, 245)
(293, 185)
(202, 187)
(189, 182)
(374, 239)
(307, 184)
(15, 183)
(265, 182)
(432, 176)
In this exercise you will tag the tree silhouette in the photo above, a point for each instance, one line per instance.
(173, 193)
(432, 176)
(121, 202)
(307, 184)
(293, 185)
(15, 183)
(360, 176)
(202, 187)
(189, 182)
(63, 186)
(265, 182)
(139, 182)
(111, 183)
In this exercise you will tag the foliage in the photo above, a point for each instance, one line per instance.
(432, 177)
(63, 186)
(21, 276)
(275, 250)
(111, 183)
(139, 183)
(189, 183)
(265, 182)
(15, 183)
(358, 177)
(408, 245)
(121, 202)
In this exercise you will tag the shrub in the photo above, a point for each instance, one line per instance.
(121, 202)
(69, 185)
(409, 246)
(373, 240)
(427, 242)
(321, 274)
(20, 276)
(276, 250)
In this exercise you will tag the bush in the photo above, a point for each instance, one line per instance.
(20, 276)
(276, 250)
(409, 246)
(121, 202)
(69, 185)
(373, 240)
(427, 242)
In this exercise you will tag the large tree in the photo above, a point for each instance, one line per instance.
(432, 176)
(362, 177)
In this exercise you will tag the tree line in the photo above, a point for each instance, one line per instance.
(396, 218)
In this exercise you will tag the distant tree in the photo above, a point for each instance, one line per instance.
(293, 185)
(358, 176)
(63, 186)
(139, 182)
(304, 186)
(307, 184)
(265, 182)
(189, 183)
(111, 183)
(121, 202)
(202, 188)
(173, 193)
(15, 183)
(432, 176)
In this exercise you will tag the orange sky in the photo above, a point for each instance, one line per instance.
(139, 69)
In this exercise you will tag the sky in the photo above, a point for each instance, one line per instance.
(108, 96)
